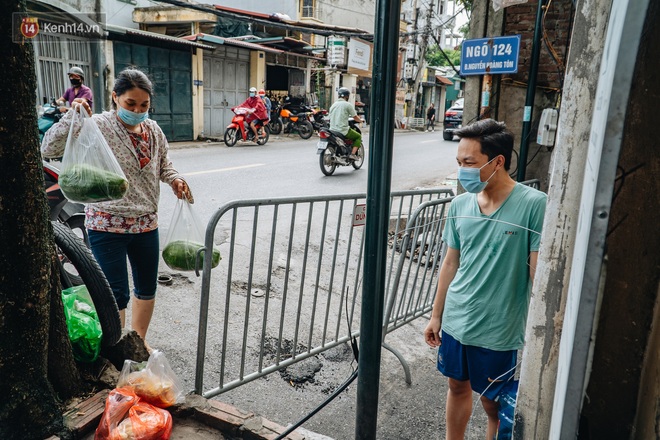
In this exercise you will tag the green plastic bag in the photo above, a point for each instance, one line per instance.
(83, 323)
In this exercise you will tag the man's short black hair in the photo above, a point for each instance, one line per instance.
(494, 137)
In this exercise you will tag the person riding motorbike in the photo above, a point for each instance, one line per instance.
(77, 89)
(259, 113)
(340, 112)
(268, 105)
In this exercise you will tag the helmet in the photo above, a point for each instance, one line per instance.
(253, 89)
(77, 71)
(343, 92)
(262, 92)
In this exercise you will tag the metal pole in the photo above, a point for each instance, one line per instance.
(531, 93)
(385, 59)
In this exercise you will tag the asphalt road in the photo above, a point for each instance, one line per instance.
(289, 167)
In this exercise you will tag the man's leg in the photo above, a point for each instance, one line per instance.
(491, 407)
(459, 408)
(253, 126)
(356, 138)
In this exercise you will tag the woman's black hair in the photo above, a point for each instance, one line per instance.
(129, 79)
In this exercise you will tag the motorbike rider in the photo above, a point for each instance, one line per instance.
(258, 112)
(340, 112)
(77, 89)
(268, 105)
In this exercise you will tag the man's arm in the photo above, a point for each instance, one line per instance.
(533, 258)
(447, 274)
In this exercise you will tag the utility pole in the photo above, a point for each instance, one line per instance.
(422, 54)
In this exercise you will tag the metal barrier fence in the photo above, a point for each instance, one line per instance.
(289, 287)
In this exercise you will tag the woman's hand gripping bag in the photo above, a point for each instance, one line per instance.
(184, 239)
(90, 172)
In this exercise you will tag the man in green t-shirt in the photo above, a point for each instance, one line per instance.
(492, 234)
(340, 112)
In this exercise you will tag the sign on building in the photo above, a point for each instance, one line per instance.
(490, 55)
(359, 57)
(336, 51)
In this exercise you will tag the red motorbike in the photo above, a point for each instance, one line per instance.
(239, 129)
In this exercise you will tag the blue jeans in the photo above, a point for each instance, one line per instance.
(111, 249)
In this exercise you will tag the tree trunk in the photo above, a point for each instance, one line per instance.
(33, 336)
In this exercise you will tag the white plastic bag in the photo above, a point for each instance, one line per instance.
(90, 172)
(153, 382)
(185, 238)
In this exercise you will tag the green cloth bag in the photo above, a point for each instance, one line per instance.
(82, 323)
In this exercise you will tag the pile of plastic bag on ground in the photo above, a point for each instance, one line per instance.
(135, 410)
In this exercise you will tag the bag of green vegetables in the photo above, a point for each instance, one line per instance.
(185, 239)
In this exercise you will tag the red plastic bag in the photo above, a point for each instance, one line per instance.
(144, 422)
(117, 405)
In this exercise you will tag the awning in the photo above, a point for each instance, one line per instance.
(231, 41)
(156, 36)
(443, 80)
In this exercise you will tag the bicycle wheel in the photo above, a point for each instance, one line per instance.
(79, 255)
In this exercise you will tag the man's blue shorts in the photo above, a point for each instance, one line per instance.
(487, 370)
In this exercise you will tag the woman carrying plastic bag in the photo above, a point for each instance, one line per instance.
(184, 240)
(127, 227)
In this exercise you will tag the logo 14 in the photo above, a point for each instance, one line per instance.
(29, 27)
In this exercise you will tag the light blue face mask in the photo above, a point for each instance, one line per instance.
(470, 178)
(131, 118)
(252, 94)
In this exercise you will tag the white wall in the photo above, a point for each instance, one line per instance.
(121, 13)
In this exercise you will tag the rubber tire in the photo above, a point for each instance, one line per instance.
(305, 129)
(92, 275)
(275, 126)
(357, 164)
(327, 169)
(263, 140)
(77, 224)
(231, 136)
(448, 136)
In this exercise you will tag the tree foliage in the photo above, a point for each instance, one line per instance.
(434, 57)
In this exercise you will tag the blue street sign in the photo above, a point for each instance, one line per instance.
(490, 55)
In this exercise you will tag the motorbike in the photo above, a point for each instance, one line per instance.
(333, 150)
(239, 129)
(292, 117)
(65, 212)
(49, 115)
(320, 119)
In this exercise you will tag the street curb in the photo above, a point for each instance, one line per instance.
(82, 418)
(273, 139)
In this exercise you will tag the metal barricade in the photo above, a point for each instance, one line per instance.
(289, 285)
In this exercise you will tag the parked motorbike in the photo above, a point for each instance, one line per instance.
(65, 212)
(48, 116)
(320, 119)
(239, 129)
(333, 150)
(292, 116)
(275, 124)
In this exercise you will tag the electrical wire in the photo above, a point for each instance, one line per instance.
(339, 389)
